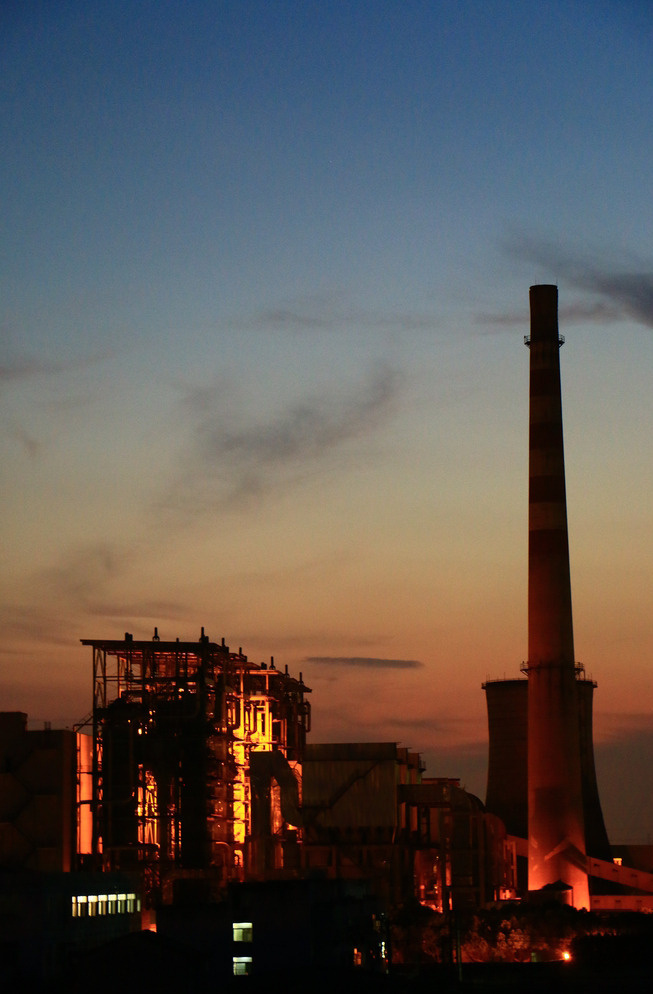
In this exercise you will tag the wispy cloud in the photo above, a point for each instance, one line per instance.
(626, 292)
(20, 374)
(304, 431)
(83, 575)
(369, 662)
(234, 462)
(35, 623)
(322, 313)
(26, 440)
(581, 311)
(84, 586)
(434, 723)
(25, 367)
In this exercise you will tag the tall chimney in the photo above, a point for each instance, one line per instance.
(556, 833)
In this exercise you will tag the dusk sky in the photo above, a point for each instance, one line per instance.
(263, 295)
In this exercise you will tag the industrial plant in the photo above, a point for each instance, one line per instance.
(191, 791)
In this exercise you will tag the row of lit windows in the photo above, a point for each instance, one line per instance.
(90, 905)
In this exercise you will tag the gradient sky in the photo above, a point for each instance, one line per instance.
(263, 293)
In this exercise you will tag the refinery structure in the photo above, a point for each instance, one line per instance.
(174, 727)
(192, 781)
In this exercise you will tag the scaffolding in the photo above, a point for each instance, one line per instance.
(174, 724)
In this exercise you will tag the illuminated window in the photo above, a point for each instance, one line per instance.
(92, 905)
(242, 966)
(618, 861)
(80, 906)
(243, 931)
(102, 904)
(112, 904)
(122, 903)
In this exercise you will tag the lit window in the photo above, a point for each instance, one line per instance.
(102, 904)
(242, 931)
(242, 966)
(80, 906)
(92, 905)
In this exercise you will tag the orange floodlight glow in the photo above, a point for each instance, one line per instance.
(254, 731)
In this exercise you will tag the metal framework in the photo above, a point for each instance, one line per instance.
(174, 724)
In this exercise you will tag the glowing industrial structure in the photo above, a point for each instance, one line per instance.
(174, 727)
(196, 788)
(201, 778)
(541, 773)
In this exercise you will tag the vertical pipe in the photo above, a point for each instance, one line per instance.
(556, 834)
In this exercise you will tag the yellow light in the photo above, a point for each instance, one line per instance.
(566, 957)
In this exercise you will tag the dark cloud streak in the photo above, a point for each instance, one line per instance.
(367, 662)
(25, 368)
(233, 464)
(625, 293)
(304, 431)
(325, 315)
(577, 312)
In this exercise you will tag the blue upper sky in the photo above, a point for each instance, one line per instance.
(264, 274)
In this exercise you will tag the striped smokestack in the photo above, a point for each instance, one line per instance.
(556, 834)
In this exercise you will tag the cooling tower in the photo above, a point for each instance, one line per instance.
(556, 831)
(597, 844)
(507, 786)
(507, 779)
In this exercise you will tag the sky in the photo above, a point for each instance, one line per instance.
(264, 283)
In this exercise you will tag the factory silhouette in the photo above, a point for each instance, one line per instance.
(192, 785)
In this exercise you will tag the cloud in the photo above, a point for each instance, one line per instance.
(25, 367)
(23, 375)
(369, 662)
(233, 462)
(29, 443)
(618, 726)
(626, 293)
(83, 588)
(450, 724)
(576, 313)
(289, 318)
(143, 610)
(33, 623)
(305, 431)
(85, 573)
(323, 313)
